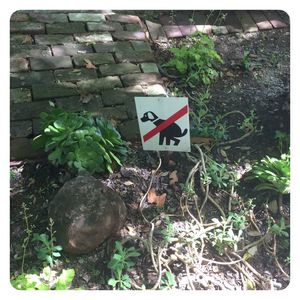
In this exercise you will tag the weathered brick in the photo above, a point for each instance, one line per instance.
(274, 19)
(75, 74)
(172, 31)
(97, 85)
(119, 69)
(155, 90)
(28, 78)
(50, 91)
(123, 18)
(133, 27)
(20, 95)
(21, 148)
(149, 68)
(71, 49)
(156, 31)
(130, 130)
(101, 26)
(53, 39)
(93, 37)
(20, 39)
(48, 17)
(135, 56)
(26, 111)
(121, 96)
(218, 30)
(20, 128)
(75, 104)
(86, 17)
(115, 113)
(131, 109)
(65, 28)
(19, 16)
(50, 63)
(140, 46)
(18, 65)
(36, 127)
(29, 51)
(112, 47)
(141, 79)
(129, 35)
(95, 58)
(246, 21)
(27, 27)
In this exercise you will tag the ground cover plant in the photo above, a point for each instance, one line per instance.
(216, 218)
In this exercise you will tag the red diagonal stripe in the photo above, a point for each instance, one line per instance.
(166, 123)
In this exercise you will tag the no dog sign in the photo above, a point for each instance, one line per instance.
(164, 123)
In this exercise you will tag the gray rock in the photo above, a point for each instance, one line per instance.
(85, 213)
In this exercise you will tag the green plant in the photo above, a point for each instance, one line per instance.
(273, 174)
(46, 251)
(279, 228)
(12, 175)
(120, 262)
(28, 233)
(248, 122)
(80, 141)
(196, 62)
(246, 60)
(168, 232)
(239, 220)
(283, 141)
(223, 237)
(46, 280)
(168, 281)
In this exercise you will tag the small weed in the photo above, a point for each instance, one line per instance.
(47, 251)
(246, 60)
(283, 141)
(279, 228)
(239, 220)
(13, 175)
(120, 262)
(168, 232)
(168, 281)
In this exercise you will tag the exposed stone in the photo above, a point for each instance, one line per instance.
(48, 17)
(50, 91)
(20, 95)
(18, 65)
(53, 39)
(36, 127)
(149, 68)
(121, 96)
(133, 27)
(71, 49)
(119, 69)
(114, 113)
(129, 35)
(20, 39)
(75, 74)
(134, 56)
(219, 30)
(65, 28)
(95, 58)
(50, 63)
(156, 32)
(112, 47)
(19, 16)
(172, 31)
(123, 18)
(93, 37)
(141, 79)
(29, 78)
(155, 90)
(97, 85)
(85, 212)
(26, 111)
(29, 51)
(20, 128)
(107, 26)
(21, 148)
(86, 17)
(130, 130)
(27, 27)
(89, 102)
(140, 45)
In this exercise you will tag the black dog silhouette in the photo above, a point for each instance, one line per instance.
(172, 132)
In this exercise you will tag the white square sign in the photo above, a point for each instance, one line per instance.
(164, 123)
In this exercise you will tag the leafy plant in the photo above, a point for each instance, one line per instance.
(239, 220)
(224, 236)
(46, 280)
(46, 251)
(246, 60)
(273, 174)
(120, 262)
(80, 141)
(280, 228)
(283, 141)
(168, 281)
(168, 232)
(196, 62)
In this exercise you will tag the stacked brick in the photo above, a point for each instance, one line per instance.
(92, 61)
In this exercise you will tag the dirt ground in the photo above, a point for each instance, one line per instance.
(264, 87)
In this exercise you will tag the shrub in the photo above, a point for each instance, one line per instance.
(196, 62)
(80, 141)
